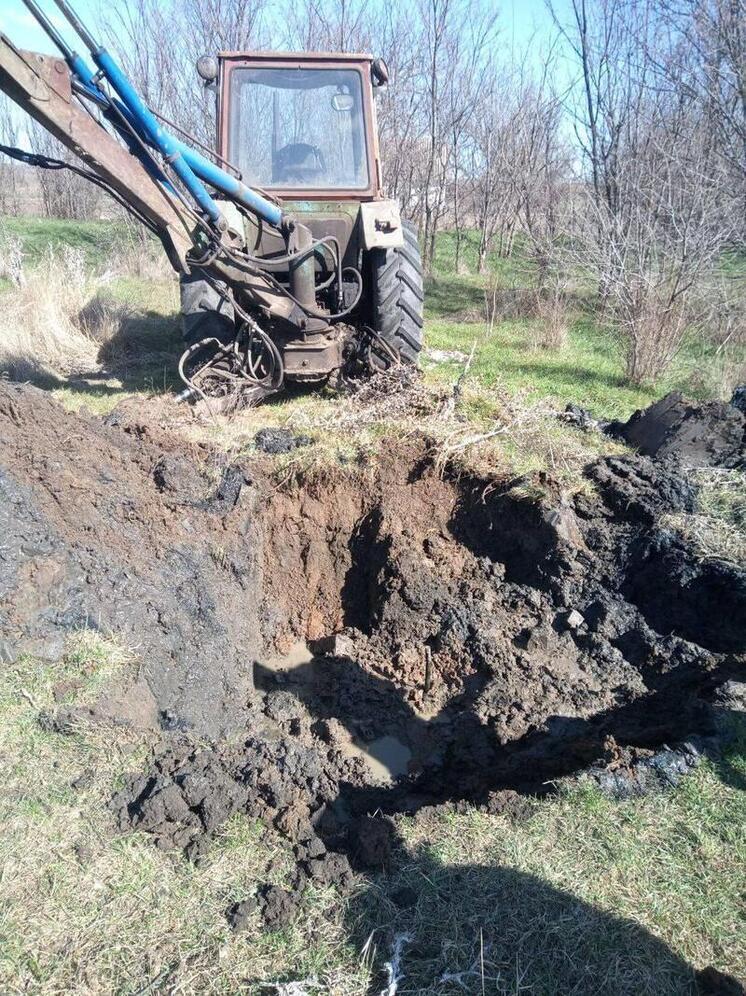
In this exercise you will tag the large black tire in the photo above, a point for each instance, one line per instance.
(204, 312)
(398, 295)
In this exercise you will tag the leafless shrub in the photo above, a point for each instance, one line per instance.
(11, 260)
(722, 304)
(653, 328)
(553, 327)
(10, 199)
(508, 302)
(547, 307)
(64, 194)
(656, 212)
(717, 356)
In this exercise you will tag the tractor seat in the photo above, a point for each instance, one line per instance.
(298, 163)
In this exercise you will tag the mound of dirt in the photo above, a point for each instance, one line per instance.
(468, 637)
(120, 527)
(710, 434)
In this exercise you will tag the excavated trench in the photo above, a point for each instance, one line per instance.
(363, 640)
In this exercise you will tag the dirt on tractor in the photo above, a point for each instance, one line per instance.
(324, 650)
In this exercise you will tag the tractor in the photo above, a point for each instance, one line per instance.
(293, 265)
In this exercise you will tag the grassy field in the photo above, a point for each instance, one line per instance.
(98, 240)
(587, 370)
(582, 896)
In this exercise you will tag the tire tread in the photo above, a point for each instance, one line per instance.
(398, 295)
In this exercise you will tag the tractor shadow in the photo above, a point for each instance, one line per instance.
(488, 929)
(474, 928)
(138, 354)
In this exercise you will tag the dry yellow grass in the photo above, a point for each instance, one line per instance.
(717, 528)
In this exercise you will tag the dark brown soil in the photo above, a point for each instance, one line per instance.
(712, 434)
(497, 635)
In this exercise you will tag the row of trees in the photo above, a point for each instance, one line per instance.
(613, 144)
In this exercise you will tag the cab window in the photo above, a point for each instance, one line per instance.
(292, 128)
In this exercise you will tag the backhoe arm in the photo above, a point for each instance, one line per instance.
(41, 85)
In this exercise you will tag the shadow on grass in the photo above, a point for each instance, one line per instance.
(142, 354)
(571, 374)
(480, 928)
(489, 929)
(731, 766)
(454, 297)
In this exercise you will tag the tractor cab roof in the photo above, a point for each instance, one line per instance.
(299, 56)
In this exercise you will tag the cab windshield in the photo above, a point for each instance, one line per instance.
(293, 128)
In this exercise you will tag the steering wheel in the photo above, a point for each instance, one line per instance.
(299, 161)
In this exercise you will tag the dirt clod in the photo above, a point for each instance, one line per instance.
(373, 840)
(239, 914)
(272, 440)
(278, 907)
(738, 399)
(711, 982)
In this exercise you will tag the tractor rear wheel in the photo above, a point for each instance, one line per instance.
(398, 296)
(204, 313)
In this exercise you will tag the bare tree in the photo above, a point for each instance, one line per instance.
(708, 64)
(159, 41)
(64, 194)
(655, 219)
(10, 184)
(634, 173)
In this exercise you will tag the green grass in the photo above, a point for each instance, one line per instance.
(583, 896)
(99, 240)
(588, 370)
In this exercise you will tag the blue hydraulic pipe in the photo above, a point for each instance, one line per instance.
(189, 165)
(86, 77)
(77, 65)
(175, 150)
(165, 143)
(231, 187)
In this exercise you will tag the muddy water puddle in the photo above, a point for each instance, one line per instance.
(387, 757)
